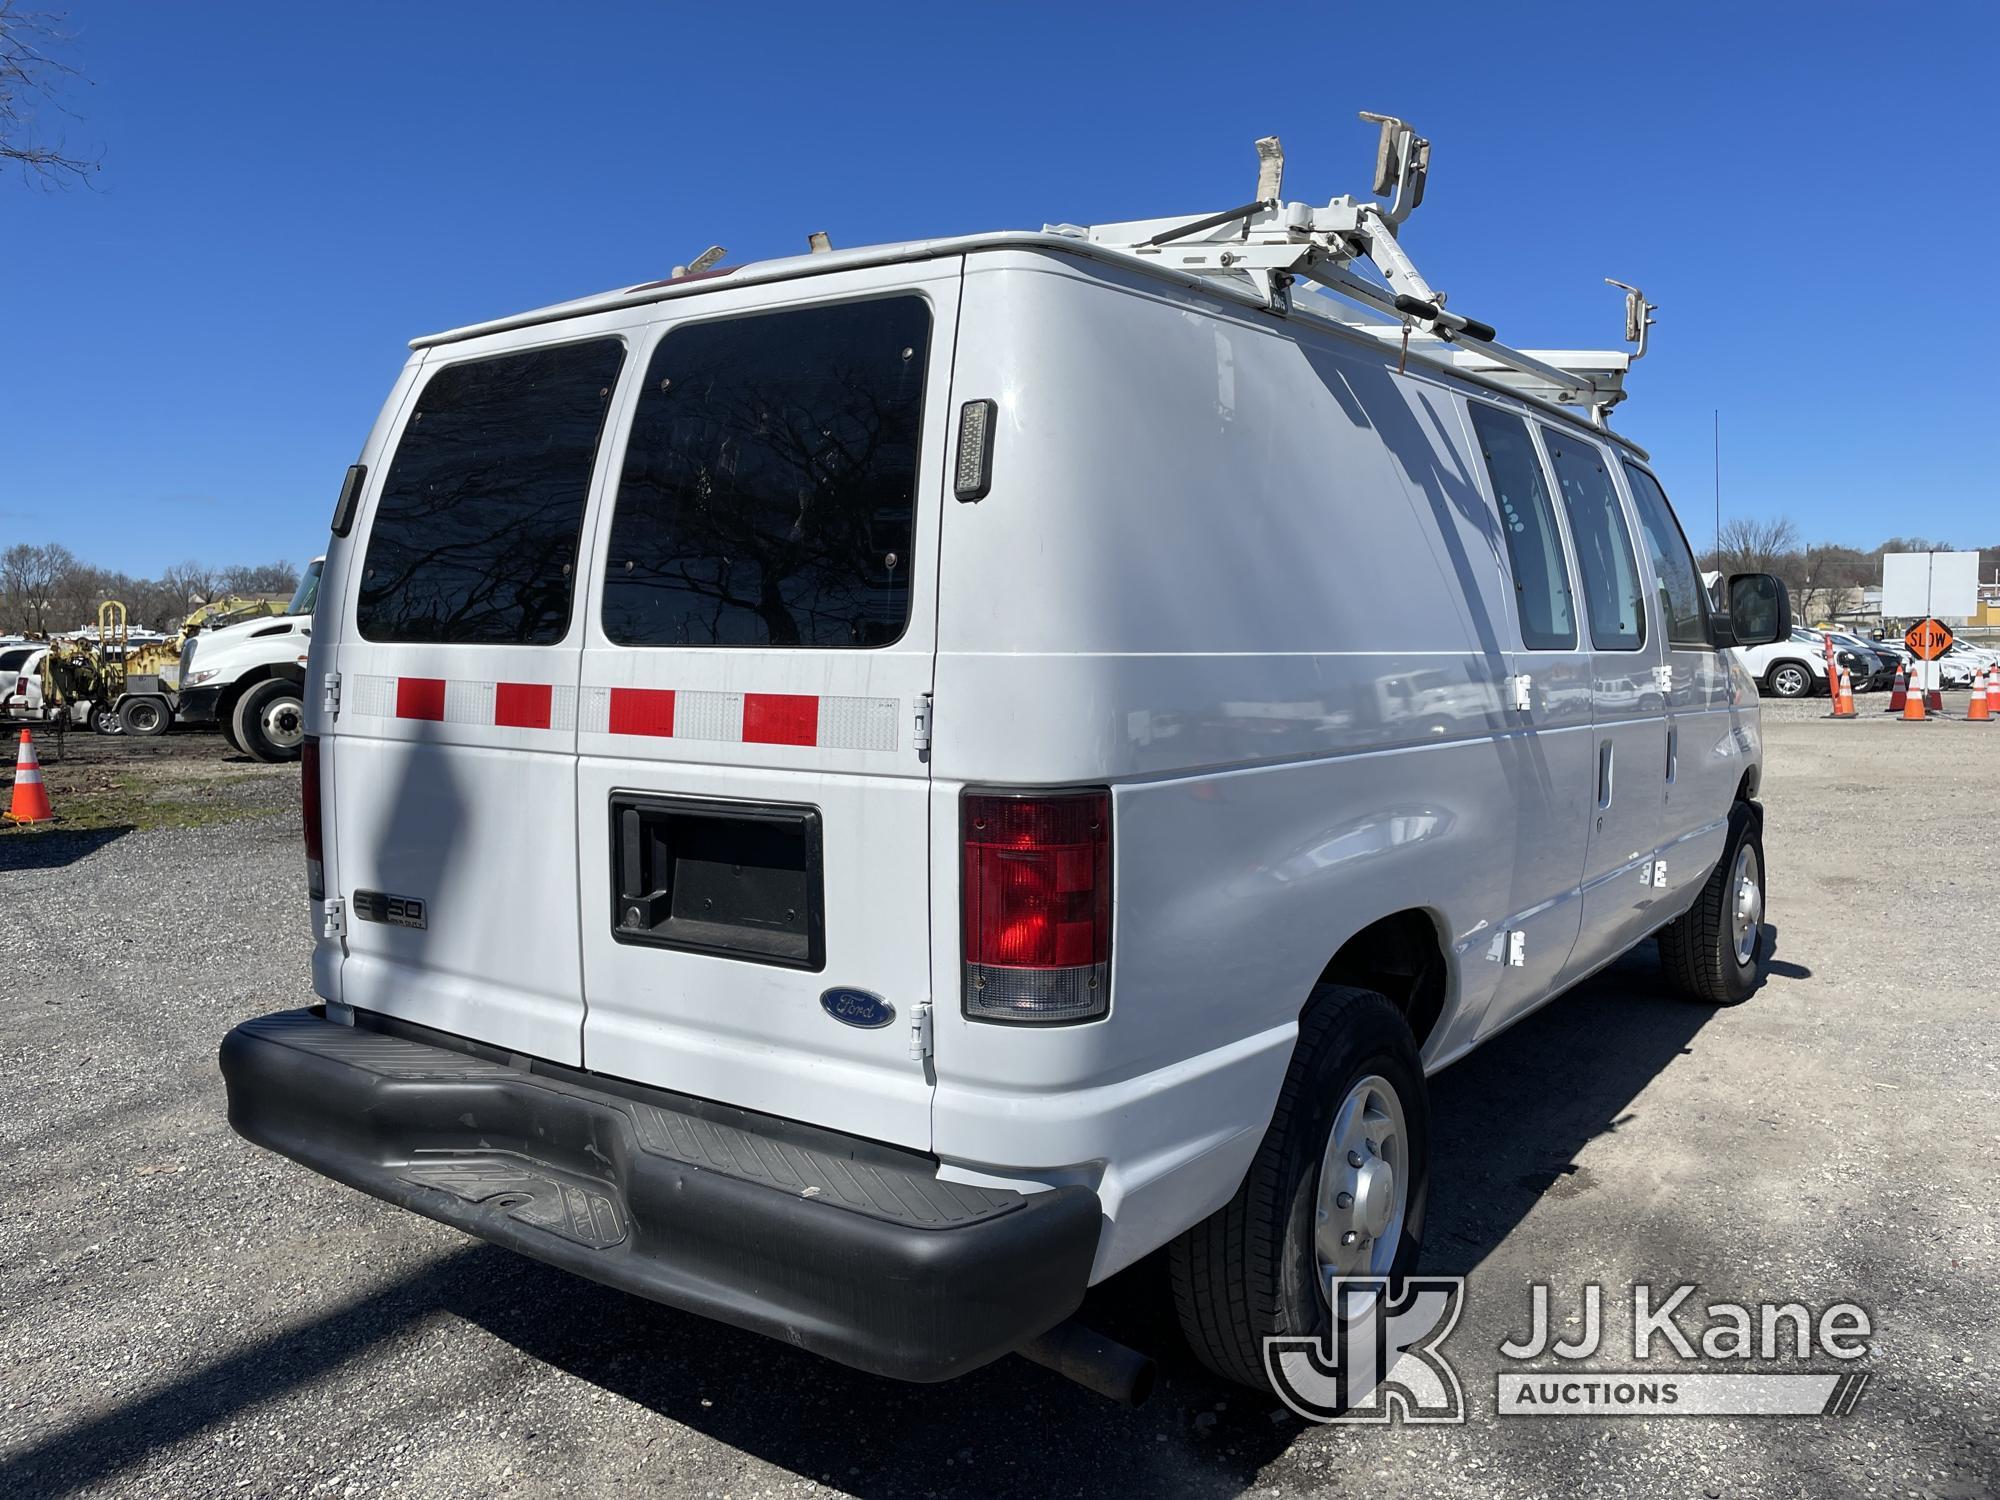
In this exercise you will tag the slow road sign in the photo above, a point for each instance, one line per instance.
(1930, 640)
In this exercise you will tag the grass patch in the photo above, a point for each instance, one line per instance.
(97, 801)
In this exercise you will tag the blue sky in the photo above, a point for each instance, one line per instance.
(195, 348)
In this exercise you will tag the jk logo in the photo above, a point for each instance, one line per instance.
(1379, 1359)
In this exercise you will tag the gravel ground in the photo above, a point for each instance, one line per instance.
(181, 1313)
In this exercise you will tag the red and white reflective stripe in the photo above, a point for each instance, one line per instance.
(445, 700)
(829, 723)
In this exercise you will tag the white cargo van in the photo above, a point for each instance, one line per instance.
(861, 794)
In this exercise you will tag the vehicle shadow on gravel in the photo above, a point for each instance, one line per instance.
(1508, 1122)
(54, 848)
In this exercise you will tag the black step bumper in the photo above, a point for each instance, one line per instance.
(846, 1247)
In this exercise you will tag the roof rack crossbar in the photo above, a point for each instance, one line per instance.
(1275, 244)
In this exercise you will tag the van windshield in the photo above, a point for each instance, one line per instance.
(769, 491)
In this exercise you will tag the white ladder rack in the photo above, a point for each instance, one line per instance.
(1273, 243)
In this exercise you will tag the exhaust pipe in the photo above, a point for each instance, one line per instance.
(1090, 1359)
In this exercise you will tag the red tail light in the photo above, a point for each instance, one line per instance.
(309, 799)
(21, 686)
(1037, 906)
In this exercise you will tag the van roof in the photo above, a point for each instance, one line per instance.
(820, 263)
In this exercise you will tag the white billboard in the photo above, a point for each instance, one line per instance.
(1945, 584)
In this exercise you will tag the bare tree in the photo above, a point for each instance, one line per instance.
(261, 578)
(30, 75)
(1746, 545)
(192, 583)
(1826, 575)
(34, 582)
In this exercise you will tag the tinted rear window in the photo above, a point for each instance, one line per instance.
(475, 536)
(13, 661)
(769, 490)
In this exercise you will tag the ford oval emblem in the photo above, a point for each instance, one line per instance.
(857, 1008)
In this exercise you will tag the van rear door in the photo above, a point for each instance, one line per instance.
(452, 753)
(752, 800)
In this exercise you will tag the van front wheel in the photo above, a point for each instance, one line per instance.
(1337, 1188)
(1712, 951)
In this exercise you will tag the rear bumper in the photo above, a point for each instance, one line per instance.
(842, 1246)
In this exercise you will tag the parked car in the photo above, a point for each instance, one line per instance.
(21, 680)
(863, 794)
(1880, 665)
(1964, 662)
(1796, 666)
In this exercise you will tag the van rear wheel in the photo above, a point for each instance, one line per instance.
(1337, 1188)
(1712, 952)
(270, 720)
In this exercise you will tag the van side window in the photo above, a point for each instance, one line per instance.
(474, 540)
(1611, 592)
(769, 490)
(1528, 517)
(1673, 563)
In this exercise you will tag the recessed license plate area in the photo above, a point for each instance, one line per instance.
(731, 879)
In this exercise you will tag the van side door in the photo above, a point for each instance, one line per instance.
(1628, 715)
(1551, 765)
(1705, 759)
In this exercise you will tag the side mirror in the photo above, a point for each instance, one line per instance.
(1760, 609)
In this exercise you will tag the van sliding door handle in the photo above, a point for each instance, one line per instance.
(1604, 773)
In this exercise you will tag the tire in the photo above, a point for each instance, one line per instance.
(106, 721)
(145, 717)
(1790, 679)
(1713, 953)
(1251, 1270)
(225, 720)
(269, 720)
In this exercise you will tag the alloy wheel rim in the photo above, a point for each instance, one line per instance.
(284, 724)
(1364, 1184)
(1746, 904)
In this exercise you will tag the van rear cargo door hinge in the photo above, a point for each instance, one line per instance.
(331, 703)
(336, 919)
(920, 734)
(920, 1030)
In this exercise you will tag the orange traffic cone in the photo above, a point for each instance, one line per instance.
(1913, 702)
(1843, 696)
(1993, 695)
(31, 798)
(1980, 709)
(1899, 689)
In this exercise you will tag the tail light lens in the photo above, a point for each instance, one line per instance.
(21, 686)
(1037, 906)
(309, 800)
